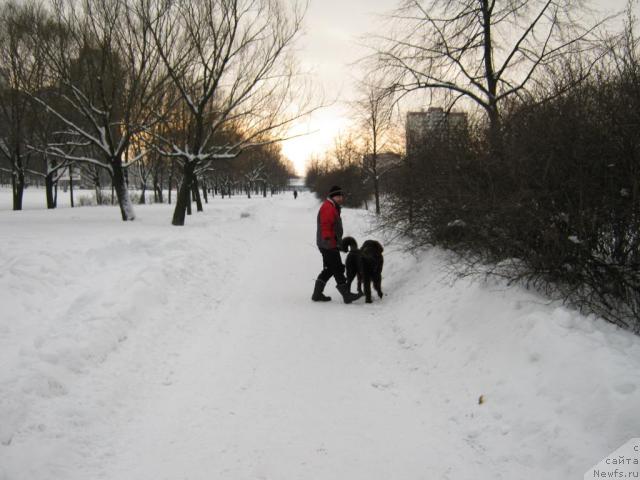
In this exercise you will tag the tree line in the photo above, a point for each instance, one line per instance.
(541, 185)
(179, 93)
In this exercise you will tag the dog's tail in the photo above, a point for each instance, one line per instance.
(349, 244)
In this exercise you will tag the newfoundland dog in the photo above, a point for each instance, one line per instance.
(364, 263)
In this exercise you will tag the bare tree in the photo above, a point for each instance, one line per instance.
(44, 129)
(252, 176)
(374, 113)
(93, 172)
(346, 151)
(485, 51)
(340, 165)
(20, 69)
(108, 81)
(230, 63)
(277, 169)
(144, 170)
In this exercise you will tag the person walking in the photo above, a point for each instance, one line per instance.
(328, 239)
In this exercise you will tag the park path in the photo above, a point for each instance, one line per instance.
(271, 385)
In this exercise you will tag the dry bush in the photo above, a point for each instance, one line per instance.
(559, 210)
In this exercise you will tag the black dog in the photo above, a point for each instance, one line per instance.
(364, 263)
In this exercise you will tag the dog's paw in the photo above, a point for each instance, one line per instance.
(380, 294)
(368, 300)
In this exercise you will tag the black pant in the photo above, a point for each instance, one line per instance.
(332, 266)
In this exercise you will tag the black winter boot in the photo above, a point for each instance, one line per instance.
(317, 292)
(347, 296)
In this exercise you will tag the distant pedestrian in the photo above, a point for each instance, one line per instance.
(295, 194)
(328, 239)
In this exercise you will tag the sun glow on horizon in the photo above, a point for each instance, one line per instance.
(313, 137)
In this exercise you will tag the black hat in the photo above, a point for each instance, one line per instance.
(335, 190)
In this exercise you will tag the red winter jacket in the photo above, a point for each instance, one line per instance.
(329, 232)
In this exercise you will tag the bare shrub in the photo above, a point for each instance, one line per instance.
(558, 211)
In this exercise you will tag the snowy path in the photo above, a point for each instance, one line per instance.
(145, 352)
(279, 387)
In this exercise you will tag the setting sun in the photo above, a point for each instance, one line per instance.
(314, 136)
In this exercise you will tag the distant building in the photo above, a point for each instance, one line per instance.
(384, 160)
(433, 122)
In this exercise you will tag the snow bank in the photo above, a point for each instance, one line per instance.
(559, 390)
(77, 286)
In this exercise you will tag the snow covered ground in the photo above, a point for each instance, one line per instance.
(144, 351)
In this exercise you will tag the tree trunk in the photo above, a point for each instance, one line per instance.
(157, 189)
(98, 189)
(17, 182)
(154, 178)
(204, 191)
(409, 177)
(142, 199)
(120, 186)
(196, 194)
(495, 134)
(48, 185)
(171, 174)
(184, 195)
(157, 194)
(376, 192)
(71, 186)
(160, 187)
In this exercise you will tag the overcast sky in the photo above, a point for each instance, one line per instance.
(329, 47)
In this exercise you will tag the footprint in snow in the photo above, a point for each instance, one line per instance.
(382, 386)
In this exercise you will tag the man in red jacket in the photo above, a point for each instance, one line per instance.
(328, 239)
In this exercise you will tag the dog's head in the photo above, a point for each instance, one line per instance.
(372, 247)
